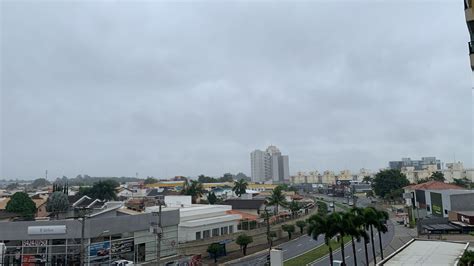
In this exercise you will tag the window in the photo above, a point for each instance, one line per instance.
(198, 235)
(215, 232)
(428, 208)
(445, 211)
(206, 234)
(224, 230)
(231, 229)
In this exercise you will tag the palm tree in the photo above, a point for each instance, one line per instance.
(381, 227)
(322, 225)
(371, 219)
(276, 199)
(342, 226)
(240, 187)
(360, 220)
(356, 230)
(194, 189)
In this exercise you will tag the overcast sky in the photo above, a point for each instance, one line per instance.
(165, 89)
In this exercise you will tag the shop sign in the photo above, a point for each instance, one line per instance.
(47, 230)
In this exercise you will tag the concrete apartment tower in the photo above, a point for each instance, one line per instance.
(269, 165)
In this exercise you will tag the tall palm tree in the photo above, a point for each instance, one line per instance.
(371, 218)
(193, 189)
(322, 225)
(381, 227)
(363, 227)
(356, 230)
(276, 199)
(342, 228)
(240, 187)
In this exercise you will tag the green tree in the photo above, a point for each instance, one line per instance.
(206, 179)
(227, 177)
(355, 229)
(467, 258)
(294, 207)
(301, 224)
(243, 241)
(322, 208)
(371, 219)
(289, 228)
(276, 199)
(193, 189)
(104, 190)
(322, 225)
(215, 249)
(360, 220)
(381, 226)
(437, 176)
(463, 182)
(367, 179)
(212, 198)
(342, 228)
(240, 187)
(22, 204)
(58, 202)
(40, 182)
(389, 180)
(150, 180)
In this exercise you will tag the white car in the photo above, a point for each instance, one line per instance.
(337, 262)
(123, 263)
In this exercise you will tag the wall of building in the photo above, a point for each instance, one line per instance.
(462, 202)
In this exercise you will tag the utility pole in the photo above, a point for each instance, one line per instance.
(83, 225)
(158, 230)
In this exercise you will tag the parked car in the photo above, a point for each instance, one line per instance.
(123, 263)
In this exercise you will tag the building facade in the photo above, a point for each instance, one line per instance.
(416, 164)
(107, 239)
(269, 165)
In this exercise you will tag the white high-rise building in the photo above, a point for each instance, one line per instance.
(269, 165)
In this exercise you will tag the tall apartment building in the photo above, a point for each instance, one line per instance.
(417, 164)
(269, 165)
(469, 12)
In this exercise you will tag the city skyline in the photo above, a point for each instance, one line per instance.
(111, 89)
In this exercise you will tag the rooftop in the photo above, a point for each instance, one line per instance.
(243, 204)
(426, 252)
(433, 185)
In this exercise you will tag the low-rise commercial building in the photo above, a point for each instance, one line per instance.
(106, 239)
(198, 221)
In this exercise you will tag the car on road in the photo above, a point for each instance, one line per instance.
(123, 263)
(337, 262)
(331, 205)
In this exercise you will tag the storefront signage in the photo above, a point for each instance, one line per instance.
(47, 230)
(35, 243)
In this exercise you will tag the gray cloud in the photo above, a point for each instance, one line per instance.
(164, 89)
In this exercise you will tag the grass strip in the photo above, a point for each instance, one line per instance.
(315, 254)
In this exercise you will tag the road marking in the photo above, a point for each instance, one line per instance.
(348, 257)
(299, 245)
(359, 250)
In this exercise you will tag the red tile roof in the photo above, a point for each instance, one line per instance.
(433, 185)
(245, 216)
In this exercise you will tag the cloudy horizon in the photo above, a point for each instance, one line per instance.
(166, 89)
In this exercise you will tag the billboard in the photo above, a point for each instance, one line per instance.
(98, 251)
(436, 204)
